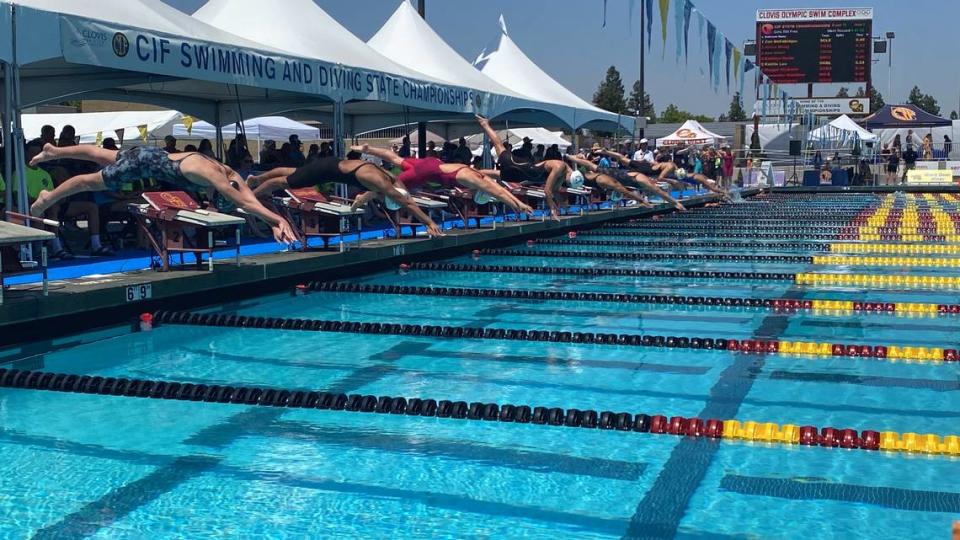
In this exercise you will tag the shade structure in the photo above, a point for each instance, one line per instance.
(903, 117)
(264, 128)
(504, 62)
(6, 49)
(408, 40)
(841, 130)
(538, 135)
(106, 124)
(691, 132)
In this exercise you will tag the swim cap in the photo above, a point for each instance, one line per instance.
(393, 205)
(615, 196)
(482, 197)
(576, 179)
(681, 173)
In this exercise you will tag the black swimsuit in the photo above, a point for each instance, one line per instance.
(324, 170)
(642, 167)
(512, 171)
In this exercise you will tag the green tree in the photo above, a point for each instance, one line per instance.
(923, 101)
(633, 104)
(876, 99)
(674, 115)
(954, 116)
(736, 112)
(609, 94)
(843, 92)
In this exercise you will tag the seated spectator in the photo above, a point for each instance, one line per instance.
(206, 148)
(404, 147)
(169, 144)
(432, 150)
(463, 154)
(326, 149)
(269, 157)
(237, 151)
(313, 153)
(552, 153)
(449, 152)
(285, 154)
(294, 156)
(189, 148)
(539, 153)
(110, 144)
(524, 154)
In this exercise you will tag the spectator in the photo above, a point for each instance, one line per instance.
(524, 154)
(897, 146)
(947, 147)
(927, 147)
(269, 157)
(726, 157)
(912, 139)
(237, 151)
(909, 161)
(553, 152)
(681, 157)
(432, 150)
(190, 148)
(246, 167)
(294, 156)
(463, 154)
(326, 149)
(110, 144)
(285, 154)
(643, 152)
(169, 144)
(313, 153)
(892, 160)
(539, 153)
(48, 135)
(404, 151)
(206, 148)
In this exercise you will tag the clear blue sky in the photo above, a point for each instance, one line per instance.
(567, 40)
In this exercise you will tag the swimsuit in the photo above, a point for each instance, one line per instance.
(520, 172)
(323, 170)
(143, 162)
(643, 167)
(419, 172)
(620, 175)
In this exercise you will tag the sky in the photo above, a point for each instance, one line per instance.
(566, 38)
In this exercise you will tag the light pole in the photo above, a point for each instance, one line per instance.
(890, 36)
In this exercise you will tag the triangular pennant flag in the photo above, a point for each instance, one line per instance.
(143, 132)
(748, 65)
(188, 123)
(99, 139)
(648, 14)
(119, 134)
(711, 43)
(728, 51)
(717, 53)
(604, 14)
(701, 20)
(664, 13)
(736, 64)
(678, 26)
(687, 10)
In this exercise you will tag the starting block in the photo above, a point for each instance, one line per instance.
(165, 218)
(401, 218)
(12, 236)
(463, 202)
(320, 216)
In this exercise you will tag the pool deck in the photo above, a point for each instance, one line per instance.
(71, 304)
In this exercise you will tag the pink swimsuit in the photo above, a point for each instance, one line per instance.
(419, 172)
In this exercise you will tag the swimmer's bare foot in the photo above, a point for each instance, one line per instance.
(41, 204)
(362, 148)
(45, 155)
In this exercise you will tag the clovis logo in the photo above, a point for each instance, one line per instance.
(121, 45)
(904, 114)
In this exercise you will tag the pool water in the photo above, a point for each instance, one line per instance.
(118, 467)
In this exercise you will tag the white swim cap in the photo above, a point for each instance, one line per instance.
(681, 173)
(482, 197)
(393, 205)
(576, 179)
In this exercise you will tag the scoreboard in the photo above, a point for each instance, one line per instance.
(796, 46)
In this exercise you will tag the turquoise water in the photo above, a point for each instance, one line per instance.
(112, 467)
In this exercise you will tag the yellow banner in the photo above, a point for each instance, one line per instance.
(939, 176)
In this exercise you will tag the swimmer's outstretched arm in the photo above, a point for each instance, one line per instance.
(591, 166)
(243, 198)
(255, 181)
(619, 157)
(268, 187)
(382, 153)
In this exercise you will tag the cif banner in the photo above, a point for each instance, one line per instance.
(936, 176)
(822, 106)
(101, 44)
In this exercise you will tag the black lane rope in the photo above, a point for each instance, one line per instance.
(711, 245)
(271, 397)
(626, 272)
(799, 259)
(669, 227)
(715, 234)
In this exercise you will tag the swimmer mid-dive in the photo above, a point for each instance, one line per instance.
(352, 171)
(550, 173)
(613, 179)
(418, 172)
(141, 163)
(662, 170)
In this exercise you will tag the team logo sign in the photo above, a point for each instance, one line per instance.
(904, 114)
(687, 134)
(121, 45)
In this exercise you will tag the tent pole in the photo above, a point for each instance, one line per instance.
(422, 126)
(7, 135)
(218, 125)
(17, 139)
(485, 153)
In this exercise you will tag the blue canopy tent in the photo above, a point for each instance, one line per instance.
(902, 117)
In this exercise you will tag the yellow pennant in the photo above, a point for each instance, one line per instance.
(188, 123)
(143, 132)
(99, 140)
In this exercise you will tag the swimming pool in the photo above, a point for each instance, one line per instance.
(123, 467)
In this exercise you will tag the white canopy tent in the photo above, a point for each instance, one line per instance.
(506, 63)
(407, 39)
(691, 132)
(538, 135)
(264, 128)
(840, 130)
(107, 124)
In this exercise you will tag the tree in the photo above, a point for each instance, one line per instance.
(843, 92)
(923, 101)
(633, 104)
(736, 112)
(609, 94)
(876, 99)
(954, 116)
(674, 115)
